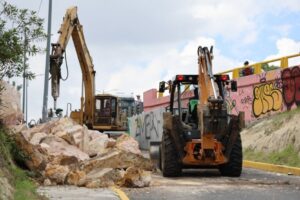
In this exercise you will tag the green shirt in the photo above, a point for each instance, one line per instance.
(193, 103)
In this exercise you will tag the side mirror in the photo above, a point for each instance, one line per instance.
(162, 87)
(233, 86)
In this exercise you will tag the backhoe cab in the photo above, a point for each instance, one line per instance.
(199, 132)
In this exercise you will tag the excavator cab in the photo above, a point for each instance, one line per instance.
(105, 113)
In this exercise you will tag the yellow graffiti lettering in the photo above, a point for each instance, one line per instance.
(266, 99)
(257, 103)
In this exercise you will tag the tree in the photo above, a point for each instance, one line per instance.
(266, 67)
(20, 31)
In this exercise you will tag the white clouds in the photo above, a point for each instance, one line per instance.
(286, 47)
(292, 5)
(136, 79)
(283, 29)
(241, 21)
(230, 19)
(167, 65)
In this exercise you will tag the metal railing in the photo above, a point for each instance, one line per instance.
(258, 67)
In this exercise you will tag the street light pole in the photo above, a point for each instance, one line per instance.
(46, 81)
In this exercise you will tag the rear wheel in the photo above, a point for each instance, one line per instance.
(159, 160)
(234, 166)
(170, 165)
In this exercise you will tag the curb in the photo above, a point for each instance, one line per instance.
(120, 193)
(272, 168)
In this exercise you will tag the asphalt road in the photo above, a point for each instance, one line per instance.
(195, 184)
(208, 184)
(77, 193)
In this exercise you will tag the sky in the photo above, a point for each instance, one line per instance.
(137, 43)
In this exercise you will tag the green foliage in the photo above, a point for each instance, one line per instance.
(10, 149)
(266, 67)
(5, 147)
(20, 30)
(288, 156)
(25, 188)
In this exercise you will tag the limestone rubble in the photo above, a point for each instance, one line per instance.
(64, 152)
(10, 112)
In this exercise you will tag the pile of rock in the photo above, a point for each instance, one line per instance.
(10, 109)
(64, 152)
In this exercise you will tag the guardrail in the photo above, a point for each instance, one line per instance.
(257, 68)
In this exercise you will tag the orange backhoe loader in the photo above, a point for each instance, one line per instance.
(199, 133)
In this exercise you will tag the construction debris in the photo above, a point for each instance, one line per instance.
(64, 152)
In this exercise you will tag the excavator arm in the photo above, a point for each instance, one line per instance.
(71, 27)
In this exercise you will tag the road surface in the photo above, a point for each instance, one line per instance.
(208, 184)
(195, 184)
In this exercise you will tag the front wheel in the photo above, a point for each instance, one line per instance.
(170, 164)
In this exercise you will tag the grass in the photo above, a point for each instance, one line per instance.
(285, 116)
(288, 156)
(25, 188)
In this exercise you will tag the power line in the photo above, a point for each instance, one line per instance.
(41, 2)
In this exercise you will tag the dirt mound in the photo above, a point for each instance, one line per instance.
(274, 134)
(64, 152)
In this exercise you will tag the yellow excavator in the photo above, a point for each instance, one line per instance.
(99, 112)
(199, 133)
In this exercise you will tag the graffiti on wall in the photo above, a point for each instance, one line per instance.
(258, 95)
(230, 103)
(291, 86)
(146, 126)
(266, 98)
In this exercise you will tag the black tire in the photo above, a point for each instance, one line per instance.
(159, 160)
(234, 167)
(170, 165)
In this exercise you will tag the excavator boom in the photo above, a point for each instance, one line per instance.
(71, 27)
(99, 112)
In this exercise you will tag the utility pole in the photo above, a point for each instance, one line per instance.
(46, 81)
(26, 116)
(24, 79)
